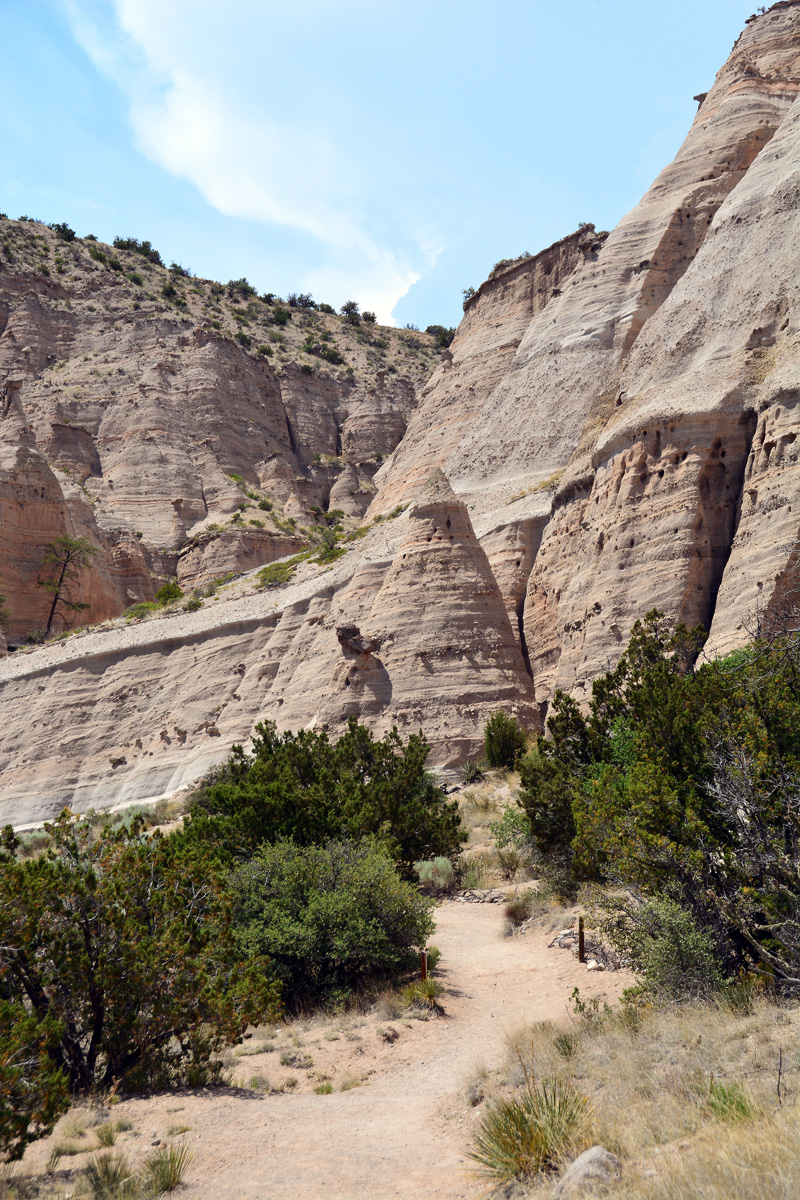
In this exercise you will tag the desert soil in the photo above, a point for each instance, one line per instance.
(405, 1129)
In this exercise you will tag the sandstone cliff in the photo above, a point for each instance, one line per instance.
(147, 409)
(613, 429)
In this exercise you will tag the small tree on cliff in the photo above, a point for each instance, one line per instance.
(67, 557)
(5, 612)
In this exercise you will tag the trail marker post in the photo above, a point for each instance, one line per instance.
(423, 965)
(581, 955)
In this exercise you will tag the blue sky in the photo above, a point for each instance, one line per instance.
(380, 151)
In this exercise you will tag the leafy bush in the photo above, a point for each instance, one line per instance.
(331, 918)
(63, 230)
(683, 781)
(193, 604)
(331, 354)
(243, 338)
(281, 316)
(5, 612)
(33, 1088)
(326, 308)
(302, 786)
(368, 317)
(168, 592)
(518, 1138)
(137, 611)
(437, 873)
(240, 287)
(350, 311)
(504, 741)
(665, 947)
(443, 336)
(135, 278)
(276, 574)
(122, 950)
(169, 291)
(143, 248)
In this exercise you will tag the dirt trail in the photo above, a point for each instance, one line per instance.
(405, 1132)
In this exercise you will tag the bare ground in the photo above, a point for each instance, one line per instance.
(405, 1129)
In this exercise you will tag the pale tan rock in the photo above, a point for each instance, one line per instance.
(693, 502)
(629, 442)
(495, 321)
(151, 413)
(213, 555)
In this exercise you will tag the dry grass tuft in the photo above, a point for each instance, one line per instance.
(688, 1098)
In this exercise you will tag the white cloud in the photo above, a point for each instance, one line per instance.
(200, 119)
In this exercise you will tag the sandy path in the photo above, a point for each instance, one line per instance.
(406, 1133)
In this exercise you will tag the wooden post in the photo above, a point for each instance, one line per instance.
(423, 965)
(581, 955)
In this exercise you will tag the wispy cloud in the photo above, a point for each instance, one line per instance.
(247, 149)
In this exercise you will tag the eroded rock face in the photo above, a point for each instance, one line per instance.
(616, 430)
(150, 426)
(408, 629)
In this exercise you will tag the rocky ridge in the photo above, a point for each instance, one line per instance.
(613, 429)
(187, 428)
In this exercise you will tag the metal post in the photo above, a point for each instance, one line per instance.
(423, 965)
(581, 955)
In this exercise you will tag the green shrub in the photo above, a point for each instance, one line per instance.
(276, 574)
(169, 592)
(281, 316)
(123, 952)
(331, 354)
(504, 741)
(193, 604)
(137, 611)
(664, 945)
(265, 505)
(444, 336)
(243, 338)
(143, 248)
(326, 308)
(63, 230)
(97, 255)
(519, 1138)
(134, 277)
(169, 291)
(33, 1089)
(437, 873)
(5, 612)
(331, 918)
(302, 786)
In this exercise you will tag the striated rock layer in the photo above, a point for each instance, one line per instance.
(146, 426)
(410, 631)
(614, 429)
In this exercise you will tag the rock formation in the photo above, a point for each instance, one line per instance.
(613, 429)
(147, 421)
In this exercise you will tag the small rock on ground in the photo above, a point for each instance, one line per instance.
(596, 1167)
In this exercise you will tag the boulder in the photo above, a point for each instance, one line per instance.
(595, 1168)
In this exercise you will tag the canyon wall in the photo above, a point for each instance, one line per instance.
(145, 424)
(613, 429)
